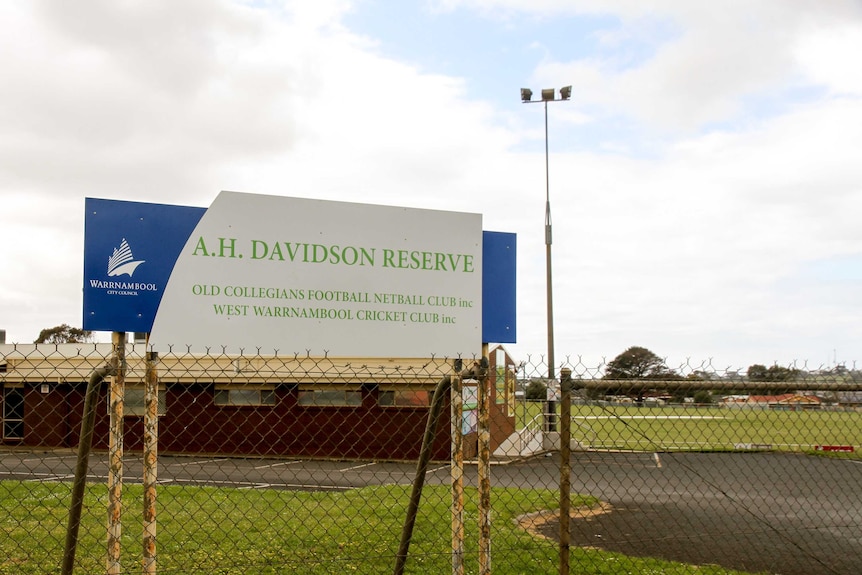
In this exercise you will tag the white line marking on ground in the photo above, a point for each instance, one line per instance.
(39, 475)
(277, 464)
(657, 460)
(246, 485)
(204, 462)
(359, 466)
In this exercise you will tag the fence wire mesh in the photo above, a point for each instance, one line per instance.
(270, 464)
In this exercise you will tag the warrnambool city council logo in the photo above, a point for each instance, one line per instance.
(122, 261)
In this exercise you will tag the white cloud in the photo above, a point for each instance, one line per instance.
(823, 56)
(707, 60)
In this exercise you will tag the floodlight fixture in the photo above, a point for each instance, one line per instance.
(526, 94)
(548, 94)
(565, 93)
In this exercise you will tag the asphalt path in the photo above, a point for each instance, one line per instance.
(788, 514)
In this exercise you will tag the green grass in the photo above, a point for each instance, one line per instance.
(267, 532)
(708, 428)
(525, 411)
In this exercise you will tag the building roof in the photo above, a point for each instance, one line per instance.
(783, 399)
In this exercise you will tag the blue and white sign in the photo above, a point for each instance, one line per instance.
(270, 273)
(129, 253)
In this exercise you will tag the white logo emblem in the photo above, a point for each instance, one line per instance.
(121, 261)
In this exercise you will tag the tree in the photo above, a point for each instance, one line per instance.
(638, 363)
(759, 372)
(64, 334)
(536, 391)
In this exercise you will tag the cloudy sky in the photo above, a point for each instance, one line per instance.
(705, 177)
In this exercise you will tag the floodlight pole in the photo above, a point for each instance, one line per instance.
(526, 98)
(548, 241)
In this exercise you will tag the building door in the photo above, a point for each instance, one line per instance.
(13, 414)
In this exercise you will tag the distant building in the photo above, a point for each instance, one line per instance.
(251, 405)
(849, 398)
(787, 401)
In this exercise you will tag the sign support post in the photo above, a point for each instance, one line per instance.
(115, 455)
(457, 471)
(151, 442)
(484, 469)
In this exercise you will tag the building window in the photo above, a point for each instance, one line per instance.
(330, 397)
(13, 413)
(404, 398)
(135, 406)
(244, 396)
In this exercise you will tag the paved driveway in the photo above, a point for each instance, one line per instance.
(758, 512)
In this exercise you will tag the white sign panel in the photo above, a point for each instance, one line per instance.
(303, 276)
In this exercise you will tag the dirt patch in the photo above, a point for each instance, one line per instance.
(536, 523)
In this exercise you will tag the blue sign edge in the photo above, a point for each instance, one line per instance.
(499, 293)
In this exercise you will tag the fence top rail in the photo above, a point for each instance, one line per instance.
(75, 362)
(102, 350)
(815, 382)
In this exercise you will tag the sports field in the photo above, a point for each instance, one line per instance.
(709, 428)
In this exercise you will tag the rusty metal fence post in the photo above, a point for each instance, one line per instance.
(565, 466)
(151, 442)
(457, 473)
(115, 456)
(484, 470)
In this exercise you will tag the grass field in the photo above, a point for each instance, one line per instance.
(707, 428)
(267, 532)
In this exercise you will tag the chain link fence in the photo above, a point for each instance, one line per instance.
(274, 464)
